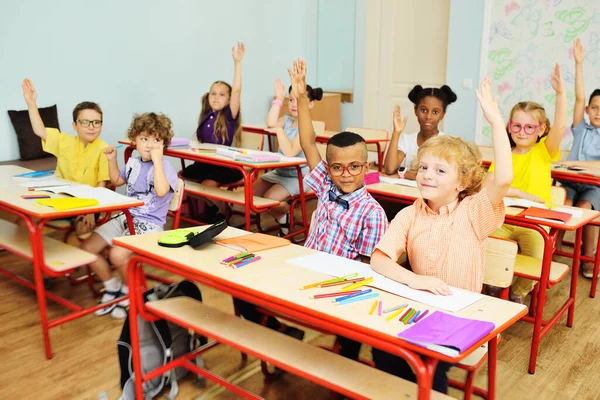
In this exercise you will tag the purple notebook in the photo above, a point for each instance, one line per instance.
(446, 333)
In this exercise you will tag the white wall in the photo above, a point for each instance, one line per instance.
(137, 56)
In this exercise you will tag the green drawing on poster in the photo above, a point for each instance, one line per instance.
(575, 17)
(548, 29)
(503, 60)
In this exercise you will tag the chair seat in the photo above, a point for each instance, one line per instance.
(530, 267)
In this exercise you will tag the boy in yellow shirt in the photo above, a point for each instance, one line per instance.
(80, 158)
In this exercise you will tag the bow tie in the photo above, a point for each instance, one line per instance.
(337, 198)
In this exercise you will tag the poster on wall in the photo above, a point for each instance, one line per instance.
(526, 39)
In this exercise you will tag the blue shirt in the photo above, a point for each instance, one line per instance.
(586, 143)
(291, 134)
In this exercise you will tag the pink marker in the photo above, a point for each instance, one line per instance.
(380, 307)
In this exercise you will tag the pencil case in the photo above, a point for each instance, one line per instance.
(371, 177)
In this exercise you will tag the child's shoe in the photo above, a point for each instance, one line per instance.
(284, 226)
(121, 310)
(587, 270)
(106, 297)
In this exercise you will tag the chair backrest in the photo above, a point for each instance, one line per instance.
(252, 141)
(319, 127)
(177, 199)
(322, 147)
(499, 266)
(558, 195)
(368, 133)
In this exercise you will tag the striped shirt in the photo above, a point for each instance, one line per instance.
(449, 245)
(346, 233)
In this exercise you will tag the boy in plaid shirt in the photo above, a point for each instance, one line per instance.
(348, 221)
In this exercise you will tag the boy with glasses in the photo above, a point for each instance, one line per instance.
(79, 158)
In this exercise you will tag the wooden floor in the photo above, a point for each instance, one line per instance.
(85, 363)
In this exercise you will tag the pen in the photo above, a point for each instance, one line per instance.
(387, 310)
(336, 294)
(357, 284)
(379, 309)
(421, 316)
(352, 295)
(246, 262)
(405, 314)
(241, 259)
(358, 298)
(229, 259)
(316, 284)
(395, 314)
(409, 316)
(414, 317)
(118, 146)
(373, 306)
(342, 282)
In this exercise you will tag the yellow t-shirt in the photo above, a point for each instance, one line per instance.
(531, 171)
(76, 162)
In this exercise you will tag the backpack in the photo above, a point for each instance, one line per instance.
(160, 343)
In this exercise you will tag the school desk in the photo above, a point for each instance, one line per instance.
(273, 284)
(52, 261)
(249, 172)
(407, 195)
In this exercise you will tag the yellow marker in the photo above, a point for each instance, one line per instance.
(357, 284)
(343, 278)
(373, 307)
(394, 315)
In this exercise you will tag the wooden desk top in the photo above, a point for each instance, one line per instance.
(191, 154)
(328, 134)
(409, 194)
(11, 191)
(274, 280)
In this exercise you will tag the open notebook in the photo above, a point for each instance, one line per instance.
(446, 333)
(543, 212)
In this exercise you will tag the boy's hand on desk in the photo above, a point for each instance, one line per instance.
(156, 153)
(29, 92)
(110, 152)
(431, 284)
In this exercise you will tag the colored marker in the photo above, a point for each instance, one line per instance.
(389, 310)
(358, 298)
(395, 314)
(119, 146)
(336, 294)
(421, 316)
(241, 259)
(409, 316)
(379, 308)
(229, 259)
(373, 306)
(316, 284)
(405, 314)
(342, 282)
(246, 262)
(353, 295)
(414, 317)
(357, 284)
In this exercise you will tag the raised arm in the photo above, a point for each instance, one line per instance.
(560, 113)
(578, 112)
(236, 92)
(503, 172)
(289, 148)
(305, 127)
(30, 96)
(394, 157)
(113, 167)
(273, 119)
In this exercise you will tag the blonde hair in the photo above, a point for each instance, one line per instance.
(220, 133)
(158, 125)
(465, 155)
(534, 109)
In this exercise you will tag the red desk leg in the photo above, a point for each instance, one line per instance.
(135, 297)
(492, 358)
(596, 270)
(424, 373)
(574, 275)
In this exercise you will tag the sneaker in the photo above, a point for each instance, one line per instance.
(121, 310)
(284, 228)
(106, 297)
(588, 270)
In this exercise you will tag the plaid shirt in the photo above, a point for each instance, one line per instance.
(345, 233)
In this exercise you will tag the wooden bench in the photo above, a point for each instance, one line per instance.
(58, 256)
(318, 365)
(229, 196)
(530, 267)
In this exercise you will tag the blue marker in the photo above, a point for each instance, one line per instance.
(352, 295)
(414, 317)
(359, 298)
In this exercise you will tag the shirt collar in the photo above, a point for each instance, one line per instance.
(591, 127)
(445, 211)
(351, 198)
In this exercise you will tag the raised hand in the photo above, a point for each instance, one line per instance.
(298, 78)
(279, 89)
(157, 152)
(399, 123)
(29, 92)
(488, 104)
(578, 52)
(110, 152)
(557, 81)
(238, 53)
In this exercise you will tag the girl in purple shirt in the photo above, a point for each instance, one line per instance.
(220, 122)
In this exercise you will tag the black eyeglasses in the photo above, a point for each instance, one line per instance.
(96, 123)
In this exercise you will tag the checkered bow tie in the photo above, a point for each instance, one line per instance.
(337, 198)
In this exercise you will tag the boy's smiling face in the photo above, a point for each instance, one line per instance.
(87, 134)
(346, 157)
(438, 181)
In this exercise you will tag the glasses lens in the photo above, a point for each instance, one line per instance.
(530, 129)
(97, 123)
(84, 122)
(515, 128)
(355, 169)
(336, 170)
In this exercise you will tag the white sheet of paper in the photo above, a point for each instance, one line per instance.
(339, 266)
(517, 202)
(398, 181)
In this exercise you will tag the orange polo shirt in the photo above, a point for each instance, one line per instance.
(449, 245)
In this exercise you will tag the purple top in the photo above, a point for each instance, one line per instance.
(206, 130)
(140, 185)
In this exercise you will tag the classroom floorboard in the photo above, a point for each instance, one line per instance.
(85, 363)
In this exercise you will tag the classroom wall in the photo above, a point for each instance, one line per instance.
(464, 55)
(138, 56)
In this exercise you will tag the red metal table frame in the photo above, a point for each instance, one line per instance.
(540, 327)
(35, 224)
(424, 368)
(247, 175)
(379, 143)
